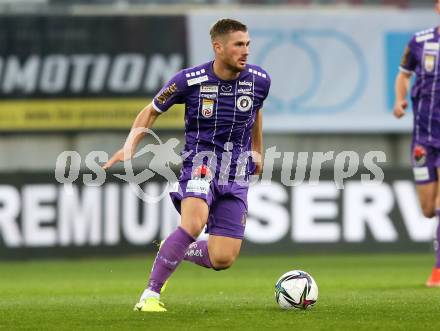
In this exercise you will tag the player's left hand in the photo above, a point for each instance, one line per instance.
(258, 168)
(258, 160)
(119, 156)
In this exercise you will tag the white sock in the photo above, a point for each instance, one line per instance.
(149, 294)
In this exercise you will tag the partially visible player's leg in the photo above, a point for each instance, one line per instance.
(426, 163)
(437, 209)
(226, 224)
(434, 279)
(194, 214)
(424, 160)
(427, 193)
(223, 251)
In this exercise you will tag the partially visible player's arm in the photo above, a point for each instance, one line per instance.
(257, 142)
(145, 119)
(401, 90)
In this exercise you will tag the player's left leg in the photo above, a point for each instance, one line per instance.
(226, 224)
(218, 252)
(223, 251)
(434, 280)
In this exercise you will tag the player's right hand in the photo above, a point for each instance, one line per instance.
(119, 156)
(399, 108)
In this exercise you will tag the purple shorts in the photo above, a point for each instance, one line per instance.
(425, 161)
(227, 205)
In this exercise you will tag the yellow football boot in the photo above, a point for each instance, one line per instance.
(150, 305)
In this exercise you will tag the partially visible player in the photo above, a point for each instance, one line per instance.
(223, 118)
(421, 57)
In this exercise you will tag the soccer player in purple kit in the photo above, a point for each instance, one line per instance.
(421, 57)
(223, 121)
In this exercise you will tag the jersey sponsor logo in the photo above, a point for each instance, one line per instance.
(226, 90)
(245, 83)
(244, 103)
(208, 96)
(165, 95)
(207, 108)
(424, 37)
(245, 91)
(209, 89)
(432, 46)
(197, 80)
(429, 62)
(419, 155)
(197, 186)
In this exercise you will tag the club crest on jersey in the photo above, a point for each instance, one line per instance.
(244, 103)
(207, 108)
(419, 155)
(429, 62)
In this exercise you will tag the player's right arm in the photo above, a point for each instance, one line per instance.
(172, 93)
(144, 120)
(401, 90)
(401, 87)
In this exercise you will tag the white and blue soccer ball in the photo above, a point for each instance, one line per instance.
(296, 289)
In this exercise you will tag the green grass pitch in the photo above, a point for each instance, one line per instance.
(356, 292)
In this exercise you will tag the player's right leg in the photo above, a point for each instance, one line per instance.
(194, 214)
(425, 175)
(425, 162)
(226, 225)
(434, 279)
(427, 193)
(430, 205)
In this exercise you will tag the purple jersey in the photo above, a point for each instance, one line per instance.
(217, 112)
(422, 57)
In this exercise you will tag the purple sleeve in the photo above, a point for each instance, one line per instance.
(172, 93)
(267, 86)
(409, 59)
(266, 90)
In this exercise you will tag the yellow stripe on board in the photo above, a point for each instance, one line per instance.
(80, 114)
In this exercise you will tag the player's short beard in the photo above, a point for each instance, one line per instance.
(234, 68)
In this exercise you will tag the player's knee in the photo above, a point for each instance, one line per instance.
(428, 209)
(437, 204)
(194, 227)
(222, 262)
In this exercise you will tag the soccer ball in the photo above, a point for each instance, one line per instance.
(296, 289)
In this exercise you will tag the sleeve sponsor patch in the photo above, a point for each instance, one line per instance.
(425, 37)
(169, 91)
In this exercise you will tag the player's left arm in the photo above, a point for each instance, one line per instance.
(257, 142)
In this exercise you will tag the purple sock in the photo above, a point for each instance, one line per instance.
(437, 241)
(197, 253)
(168, 258)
